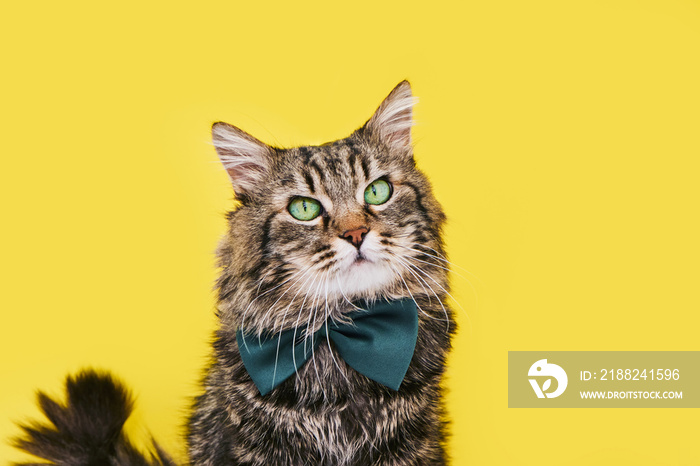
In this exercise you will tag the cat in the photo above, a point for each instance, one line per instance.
(325, 242)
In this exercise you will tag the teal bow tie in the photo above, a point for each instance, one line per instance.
(379, 344)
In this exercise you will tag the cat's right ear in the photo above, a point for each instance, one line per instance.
(246, 159)
(392, 121)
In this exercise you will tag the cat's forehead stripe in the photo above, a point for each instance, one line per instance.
(365, 167)
(351, 163)
(305, 153)
(314, 165)
(310, 182)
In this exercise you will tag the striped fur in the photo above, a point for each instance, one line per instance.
(280, 273)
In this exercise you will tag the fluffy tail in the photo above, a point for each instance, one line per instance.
(87, 431)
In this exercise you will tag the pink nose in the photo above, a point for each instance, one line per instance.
(355, 236)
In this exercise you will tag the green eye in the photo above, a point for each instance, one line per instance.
(378, 192)
(304, 208)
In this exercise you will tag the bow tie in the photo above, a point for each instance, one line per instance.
(378, 343)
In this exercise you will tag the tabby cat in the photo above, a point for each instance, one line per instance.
(324, 239)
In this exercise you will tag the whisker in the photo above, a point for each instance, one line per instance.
(279, 339)
(421, 281)
(441, 257)
(312, 334)
(434, 265)
(245, 312)
(471, 285)
(447, 293)
(328, 338)
(445, 261)
(260, 282)
(284, 316)
(296, 325)
(312, 313)
(411, 294)
(434, 250)
(409, 267)
(345, 297)
(264, 319)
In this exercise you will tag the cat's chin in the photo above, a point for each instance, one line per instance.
(362, 278)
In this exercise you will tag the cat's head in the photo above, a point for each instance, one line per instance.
(327, 224)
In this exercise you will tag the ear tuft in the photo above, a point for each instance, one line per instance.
(246, 159)
(393, 120)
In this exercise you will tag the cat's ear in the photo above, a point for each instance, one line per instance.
(246, 159)
(392, 121)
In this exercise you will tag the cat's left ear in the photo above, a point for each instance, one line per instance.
(246, 159)
(392, 121)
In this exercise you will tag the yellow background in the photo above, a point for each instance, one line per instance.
(561, 137)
